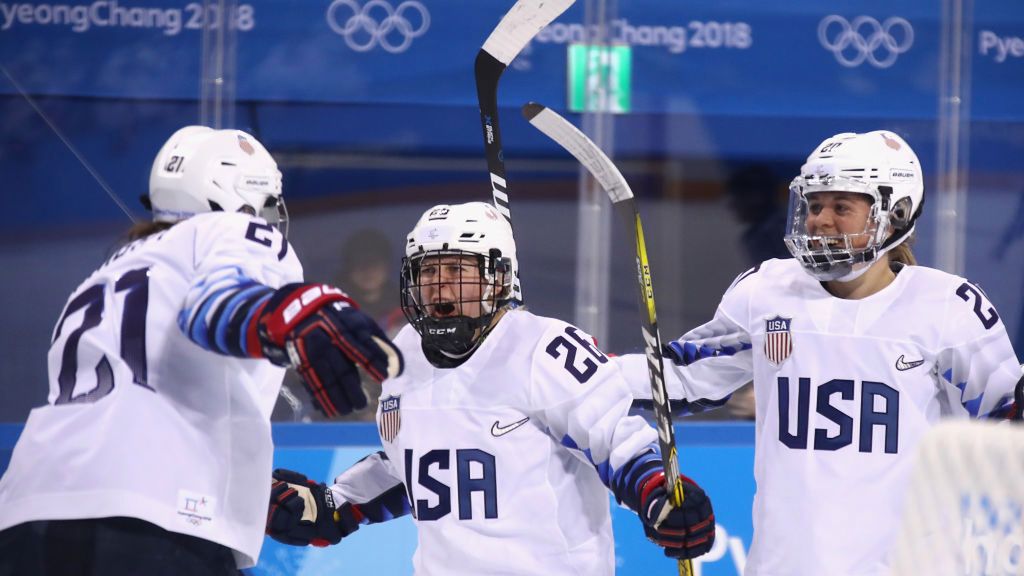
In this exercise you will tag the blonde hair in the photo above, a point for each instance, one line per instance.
(143, 229)
(903, 253)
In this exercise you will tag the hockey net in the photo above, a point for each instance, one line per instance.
(963, 510)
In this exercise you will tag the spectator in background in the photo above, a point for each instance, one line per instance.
(756, 198)
(367, 266)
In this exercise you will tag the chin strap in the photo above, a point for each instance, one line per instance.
(441, 358)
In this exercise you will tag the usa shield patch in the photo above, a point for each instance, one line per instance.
(778, 340)
(390, 418)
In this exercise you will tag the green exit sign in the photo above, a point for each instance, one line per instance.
(599, 78)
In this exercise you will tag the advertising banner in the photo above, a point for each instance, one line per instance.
(726, 58)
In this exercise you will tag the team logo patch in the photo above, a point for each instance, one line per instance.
(390, 418)
(891, 142)
(245, 146)
(778, 340)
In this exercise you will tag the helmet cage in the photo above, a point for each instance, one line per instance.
(834, 256)
(467, 317)
(274, 211)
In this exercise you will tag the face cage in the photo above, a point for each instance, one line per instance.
(830, 257)
(456, 333)
(274, 211)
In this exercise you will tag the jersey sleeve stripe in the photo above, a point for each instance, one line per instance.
(686, 353)
(242, 326)
(628, 481)
(223, 323)
(217, 312)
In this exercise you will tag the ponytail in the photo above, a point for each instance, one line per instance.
(903, 252)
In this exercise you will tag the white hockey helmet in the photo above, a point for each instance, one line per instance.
(473, 229)
(878, 164)
(200, 169)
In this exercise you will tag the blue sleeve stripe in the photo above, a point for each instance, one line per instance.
(626, 474)
(390, 504)
(683, 407)
(211, 320)
(1004, 409)
(974, 405)
(686, 353)
(243, 328)
(198, 331)
(249, 291)
(627, 482)
(569, 443)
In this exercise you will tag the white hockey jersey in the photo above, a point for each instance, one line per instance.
(141, 421)
(844, 391)
(506, 459)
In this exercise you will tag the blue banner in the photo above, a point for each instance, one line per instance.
(802, 59)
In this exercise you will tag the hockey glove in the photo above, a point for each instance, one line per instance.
(321, 333)
(303, 512)
(685, 532)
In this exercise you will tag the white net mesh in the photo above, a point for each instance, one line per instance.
(963, 511)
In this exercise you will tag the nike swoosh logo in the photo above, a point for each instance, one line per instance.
(901, 365)
(498, 430)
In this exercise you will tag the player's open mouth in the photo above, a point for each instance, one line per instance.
(826, 242)
(443, 309)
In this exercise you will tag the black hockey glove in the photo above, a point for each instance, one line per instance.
(303, 512)
(685, 532)
(321, 333)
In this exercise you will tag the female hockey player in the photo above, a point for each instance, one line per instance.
(854, 351)
(504, 434)
(159, 407)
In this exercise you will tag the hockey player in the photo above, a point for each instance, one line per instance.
(160, 388)
(504, 434)
(854, 351)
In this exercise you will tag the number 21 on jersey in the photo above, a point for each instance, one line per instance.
(133, 286)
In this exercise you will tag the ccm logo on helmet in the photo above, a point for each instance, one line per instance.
(440, 331)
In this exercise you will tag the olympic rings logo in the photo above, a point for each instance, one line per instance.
(363, 31)
(866, 38)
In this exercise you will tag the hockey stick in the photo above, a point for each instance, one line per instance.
(597, 163)
(513, 33)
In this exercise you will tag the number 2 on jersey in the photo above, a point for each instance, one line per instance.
(988, 317)
(135, 285)
(571, 348)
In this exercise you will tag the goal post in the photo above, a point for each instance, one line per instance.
(963, 510)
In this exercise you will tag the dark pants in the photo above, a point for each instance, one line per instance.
(108, 547)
